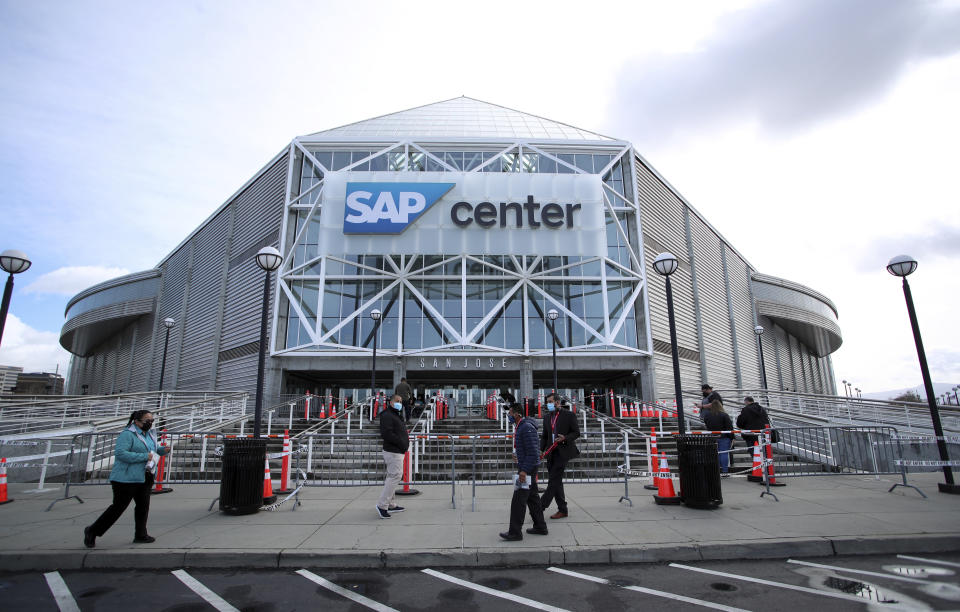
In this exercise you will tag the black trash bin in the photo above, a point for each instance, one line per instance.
(699, 471)
(241, 482)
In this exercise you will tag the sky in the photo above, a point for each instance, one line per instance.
(820, 138)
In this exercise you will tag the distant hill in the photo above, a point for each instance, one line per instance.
(938, 389)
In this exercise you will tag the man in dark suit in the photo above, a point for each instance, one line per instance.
(560, 427)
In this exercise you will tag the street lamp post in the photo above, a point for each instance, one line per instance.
(375, 315)
(168, 323)
(552, 314)
(666, 264)
(903, 266)
(269, 259)
(956, 398)
(14, 262)
(758, 330)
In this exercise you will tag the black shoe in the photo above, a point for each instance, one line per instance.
(393, 509)
(382, 513)
(535, 531)
(511, 537)
(89, 540)
(144, 539)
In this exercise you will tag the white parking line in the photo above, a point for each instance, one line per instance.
(478, 587)
(674, 596)
(856, 571)
(209, 596)
(922, 560)
(339, 590)
(782, 585)
(61, 592)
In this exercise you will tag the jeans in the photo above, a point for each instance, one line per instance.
(724, 444)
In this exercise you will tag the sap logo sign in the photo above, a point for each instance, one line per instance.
(388, 208)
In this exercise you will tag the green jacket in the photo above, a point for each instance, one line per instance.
(130, 455)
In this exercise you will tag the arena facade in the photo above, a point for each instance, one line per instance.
(464, 223)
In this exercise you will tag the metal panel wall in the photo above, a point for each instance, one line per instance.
(786, 359)
(743, 323)
(712, 298)
(200, 321)
(172, 292)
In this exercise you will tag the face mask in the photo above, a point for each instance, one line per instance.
(551, 407)
(513, 420)
(146, 426)
(398, 405)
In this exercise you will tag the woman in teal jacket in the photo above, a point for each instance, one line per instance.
(135, 457)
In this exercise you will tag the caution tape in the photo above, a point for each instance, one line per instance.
(24, 464)
(924, 463)
(21, 443)
(276, 506)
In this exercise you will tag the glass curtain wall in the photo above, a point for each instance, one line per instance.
(462, 302)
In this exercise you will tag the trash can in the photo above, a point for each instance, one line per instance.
(241, 482)
(699, 471)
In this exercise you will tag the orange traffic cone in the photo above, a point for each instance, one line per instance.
(3, 482)
(268, 496)
(665, 493)
(757, 474)
(771, 480)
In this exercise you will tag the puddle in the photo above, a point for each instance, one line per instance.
(918, 571)
(943, 590)
(722, 586)
(502, 583)
(866, 591)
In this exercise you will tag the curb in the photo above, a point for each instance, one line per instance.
(519, 557)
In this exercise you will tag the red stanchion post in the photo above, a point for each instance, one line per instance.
(306, 407)
(285, 464)
(158, 487)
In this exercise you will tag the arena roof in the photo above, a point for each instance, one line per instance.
(457, 118)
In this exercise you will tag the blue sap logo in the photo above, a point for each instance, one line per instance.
(388, 208)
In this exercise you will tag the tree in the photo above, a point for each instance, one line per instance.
(909, 396)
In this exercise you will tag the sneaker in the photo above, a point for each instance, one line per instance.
(724, 475)
(393, 509)
(89, 540)
(144, 539)
(382, 513)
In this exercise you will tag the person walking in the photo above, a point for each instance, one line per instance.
(709, 396)
(405, 391)
(716, 419)
(560, 430)
(393, 431)
(135, 456)
(527, 458)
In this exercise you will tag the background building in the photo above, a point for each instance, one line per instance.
(464, 223)
(8, 378)
(39, 383)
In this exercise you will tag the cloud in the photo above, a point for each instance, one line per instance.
(784, 65)
(925, 245)
(32, 349)
(71, 280)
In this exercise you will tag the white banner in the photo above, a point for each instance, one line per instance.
(502, 213)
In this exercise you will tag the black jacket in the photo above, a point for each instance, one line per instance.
(753, 416)
(567, 426)
(717, 421)
(393, 431)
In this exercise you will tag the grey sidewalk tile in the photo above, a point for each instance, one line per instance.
(895, 544)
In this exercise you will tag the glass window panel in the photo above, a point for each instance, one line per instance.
(396, 161)
(474, 268)
(328, 323)
(472, 323)
(578, 335)
(568, 158)
(324, 157)
(453, 267)
(348, 333)
(514, 305)
(513, 333)
(412, 327)
(434, 166)
(597, 324)
(529, 162)
(546, 165)
(388, 333)
(584, 161)
(600, 162)
(452, 302)
(293, 329)
(341, 159)
(416, 161)
(432, 332)
(494, 335)
(379, 163)
(474, 299)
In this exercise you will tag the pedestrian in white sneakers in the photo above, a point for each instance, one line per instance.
(393, 431)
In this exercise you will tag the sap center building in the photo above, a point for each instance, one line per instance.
(464, 223)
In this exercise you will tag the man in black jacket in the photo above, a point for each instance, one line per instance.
(395, 444)
(559, 426)
(752, 416)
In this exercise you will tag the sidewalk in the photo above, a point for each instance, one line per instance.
(339, 528)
